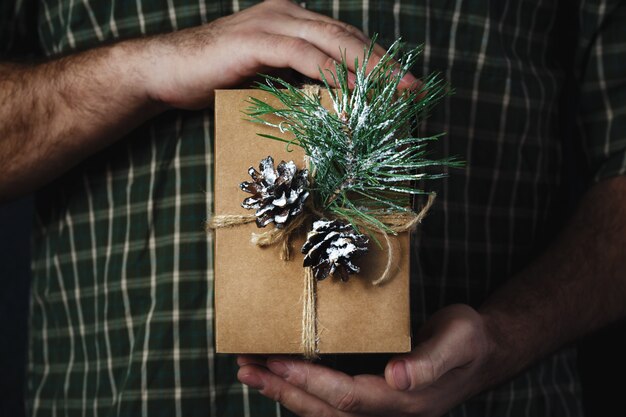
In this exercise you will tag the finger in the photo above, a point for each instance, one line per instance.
(302, 13)
(335, 30)
(290, 396)
(279, 51)
(454, 341)
(297, 11)
(333, 40)
(243, 360)
(328, 37)
(359, 394)
(332, 37)
(299, 55)
(416, 371)
(340, 44)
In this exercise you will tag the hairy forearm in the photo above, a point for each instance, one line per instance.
(54, 114)
(575, 287)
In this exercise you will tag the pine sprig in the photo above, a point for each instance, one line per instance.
(366, 159)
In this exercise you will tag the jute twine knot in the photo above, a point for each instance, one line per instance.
(312, 90)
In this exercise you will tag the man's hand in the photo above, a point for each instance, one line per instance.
(55, 114)
(190, 64)
(449, 364)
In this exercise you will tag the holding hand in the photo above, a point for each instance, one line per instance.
(449, 364)
(188, 65)
(76, 105)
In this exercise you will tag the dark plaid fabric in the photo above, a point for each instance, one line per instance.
(122, 294)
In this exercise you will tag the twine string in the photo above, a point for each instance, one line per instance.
(311, 90)
(309, 316)
(386, 274)
(229, 220)
(279, 236)
(398, 223)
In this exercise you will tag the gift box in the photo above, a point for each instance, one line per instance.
(259, 297)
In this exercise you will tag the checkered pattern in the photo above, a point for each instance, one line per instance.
(122, 293)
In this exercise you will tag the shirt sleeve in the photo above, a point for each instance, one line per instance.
(18, 29)
(602, 80)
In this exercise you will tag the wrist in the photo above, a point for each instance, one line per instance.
(490, 356)
(179, 69)
(508, 351)
(138, 65)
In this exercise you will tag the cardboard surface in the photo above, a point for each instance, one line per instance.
(258, 297)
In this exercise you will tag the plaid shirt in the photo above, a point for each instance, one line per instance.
(122, 294)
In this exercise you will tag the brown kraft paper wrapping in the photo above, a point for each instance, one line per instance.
(258, 297)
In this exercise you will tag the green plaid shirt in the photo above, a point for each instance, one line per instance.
(122, 294)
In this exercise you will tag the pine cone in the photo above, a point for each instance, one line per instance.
(330, 248)
(277, 194)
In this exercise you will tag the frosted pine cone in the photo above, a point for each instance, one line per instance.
(331, 247)
(277, 194)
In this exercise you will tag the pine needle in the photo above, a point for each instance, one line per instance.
(363, 151)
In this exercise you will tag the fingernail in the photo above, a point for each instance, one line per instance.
(278, 367)
(351, 80)
(401, 375)
(408, 79)
(243, 360)
(251, 380)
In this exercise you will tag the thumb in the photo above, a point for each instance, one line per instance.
(452, 338)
